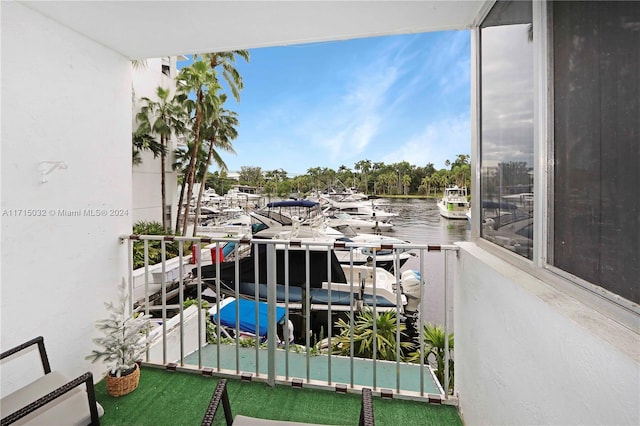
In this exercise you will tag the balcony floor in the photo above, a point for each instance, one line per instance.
(319, 368)
(179, 398)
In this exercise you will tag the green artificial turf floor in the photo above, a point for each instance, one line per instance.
(178, 398)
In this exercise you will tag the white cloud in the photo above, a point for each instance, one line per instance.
(437, 142)
(352, 121)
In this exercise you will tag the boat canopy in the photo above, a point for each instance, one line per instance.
(293, 203)
(297, 268)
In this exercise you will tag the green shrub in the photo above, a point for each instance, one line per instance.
(386, 330)
(434, 340)
(155, 252)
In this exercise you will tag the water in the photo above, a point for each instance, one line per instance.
(419, 222)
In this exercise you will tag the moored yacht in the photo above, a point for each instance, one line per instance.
(328, 286)
(303, 220)
(454, 203)
(338, 218)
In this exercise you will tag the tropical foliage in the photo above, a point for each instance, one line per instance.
(366, 340)
(434, 352)
(153, 247)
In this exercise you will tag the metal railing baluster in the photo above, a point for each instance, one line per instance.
(374, 344)
(217, 263)
(286, 312)
(307, 313)
(181, 300)
(271, 314)
(446, 326)
(237, 297)
(421, 327)
(163, 257)
(199, 284)
(351, 319)
(396, 268)
(257, 311)
(329, 318)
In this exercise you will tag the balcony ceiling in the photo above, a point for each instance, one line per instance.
(144, 29)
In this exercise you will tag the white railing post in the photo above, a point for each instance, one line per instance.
(446, 326)
(163, 257)
(271, 314)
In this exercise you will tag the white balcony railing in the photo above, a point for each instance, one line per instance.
(299, 296)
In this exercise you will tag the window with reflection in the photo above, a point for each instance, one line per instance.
(506, 138)
(595, 207)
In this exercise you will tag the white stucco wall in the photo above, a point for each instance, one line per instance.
(527, 353)
(64, 98)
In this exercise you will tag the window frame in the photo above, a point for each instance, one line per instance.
(614, 306)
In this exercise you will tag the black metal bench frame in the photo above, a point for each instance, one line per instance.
(86, 379)
(220, 395)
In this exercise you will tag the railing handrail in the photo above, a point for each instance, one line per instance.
(292, 242)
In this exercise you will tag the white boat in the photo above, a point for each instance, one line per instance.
(231, 222)
(211, 196)
(370, 285)
(337, 218)
(235, 194)
(454, 203)
(365, 209)
(303, 220)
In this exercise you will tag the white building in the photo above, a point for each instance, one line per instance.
(536, 341)
(147, 197)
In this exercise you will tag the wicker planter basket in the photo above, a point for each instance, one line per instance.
(118, 386)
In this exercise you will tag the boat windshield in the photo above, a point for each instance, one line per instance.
(346, 230)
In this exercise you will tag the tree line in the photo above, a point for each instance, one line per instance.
(369, 177)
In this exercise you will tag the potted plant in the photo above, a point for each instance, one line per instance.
(125, 340)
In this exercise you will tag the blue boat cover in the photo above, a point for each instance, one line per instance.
(247, 309)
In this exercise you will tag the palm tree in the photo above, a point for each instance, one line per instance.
(406, 182)
(182, 158)
(363, 166)
(434, 351)
(163, 118)
(143, 141)
(364, 338)
(314, 174)
(201, 80)
(226, 61)
(221, 130)
(426, 184)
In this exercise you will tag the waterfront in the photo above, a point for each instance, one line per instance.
(420, 222)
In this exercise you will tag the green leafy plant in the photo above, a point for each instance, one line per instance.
(434, 351)
(316, 348)
(363, 336)
(189, 301)
(154, 247)
(125, 336)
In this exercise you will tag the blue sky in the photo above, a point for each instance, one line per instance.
(389, 99)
